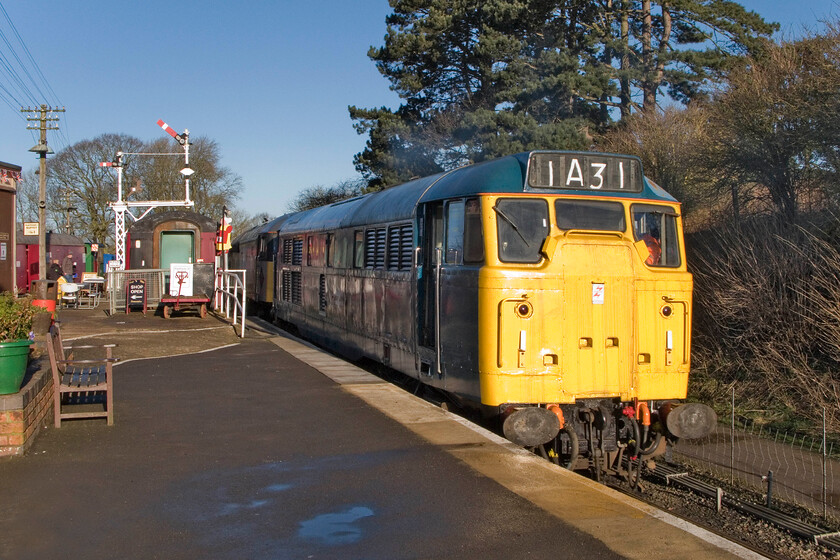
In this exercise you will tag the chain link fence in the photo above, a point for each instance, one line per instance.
(796, 468)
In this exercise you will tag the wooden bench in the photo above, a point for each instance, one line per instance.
(80, 382)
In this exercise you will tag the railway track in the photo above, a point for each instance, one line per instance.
(818, 535)
(693, 519)
(815, 541)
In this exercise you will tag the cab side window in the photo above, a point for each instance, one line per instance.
(454, 232)
(473, 234)
(464, 240)
(657, 227)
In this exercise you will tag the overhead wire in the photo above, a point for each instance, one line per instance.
(31, 58)
(9, 65)
(26, 81)
(22, 89)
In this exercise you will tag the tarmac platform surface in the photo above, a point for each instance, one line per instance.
(269, 448)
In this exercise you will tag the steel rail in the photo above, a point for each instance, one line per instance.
(819, 535)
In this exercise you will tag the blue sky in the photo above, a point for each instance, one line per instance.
(269, 82)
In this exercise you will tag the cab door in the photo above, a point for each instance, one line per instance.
(429, 263)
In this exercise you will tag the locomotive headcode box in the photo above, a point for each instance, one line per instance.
(135, 295)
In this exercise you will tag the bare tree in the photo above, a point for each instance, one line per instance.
(766, 316)
(316, 196)
(670, 144)
(212, 186)
(776, 123)
(75, 179)
(26, 199)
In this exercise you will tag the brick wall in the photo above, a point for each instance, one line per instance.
(22, 414)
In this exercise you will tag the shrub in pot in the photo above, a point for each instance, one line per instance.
(17, 315)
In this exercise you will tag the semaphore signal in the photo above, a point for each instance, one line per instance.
(182, 139)
(121, 207)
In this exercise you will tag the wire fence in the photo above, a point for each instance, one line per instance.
(118, 280)
(776, 464)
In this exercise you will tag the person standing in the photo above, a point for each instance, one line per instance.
(67, 267)
(54, 270)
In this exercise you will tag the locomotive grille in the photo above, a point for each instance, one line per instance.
(297, 251)
(287, 286)
(322, 293)
(375, 248)
(291, 286)
(296, 294)
(400, 247)
(287, 251)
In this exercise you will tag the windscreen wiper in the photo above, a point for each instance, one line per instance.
(505, 217)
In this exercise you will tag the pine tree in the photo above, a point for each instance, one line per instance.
(484, 78)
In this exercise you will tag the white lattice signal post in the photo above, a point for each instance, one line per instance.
(122, 207)
(119, 212)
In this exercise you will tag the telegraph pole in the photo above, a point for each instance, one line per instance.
(42, 150)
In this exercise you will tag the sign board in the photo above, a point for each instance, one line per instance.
(30, 228)
(94, 247)
(181, 279)
(135, 295)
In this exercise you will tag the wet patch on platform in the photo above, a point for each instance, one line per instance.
(335, 528)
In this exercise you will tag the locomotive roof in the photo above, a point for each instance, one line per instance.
(254, 232)
(498, 176)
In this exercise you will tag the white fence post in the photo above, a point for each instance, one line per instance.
(228, 300)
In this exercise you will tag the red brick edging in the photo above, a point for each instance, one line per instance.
(22, 414)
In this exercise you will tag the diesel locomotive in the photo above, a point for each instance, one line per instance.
(547, 288)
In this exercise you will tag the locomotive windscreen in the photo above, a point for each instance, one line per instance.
(584, 171)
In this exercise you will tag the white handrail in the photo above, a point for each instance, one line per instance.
(231, 298)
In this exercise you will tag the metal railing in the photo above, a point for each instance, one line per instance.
(230, 296)
(118, 279)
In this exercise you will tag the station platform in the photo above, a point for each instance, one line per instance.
(269, 448)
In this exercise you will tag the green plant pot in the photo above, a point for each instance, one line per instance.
(13, 359)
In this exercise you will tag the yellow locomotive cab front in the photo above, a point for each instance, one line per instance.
(593, 316)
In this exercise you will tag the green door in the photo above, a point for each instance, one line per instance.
(176, 247)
